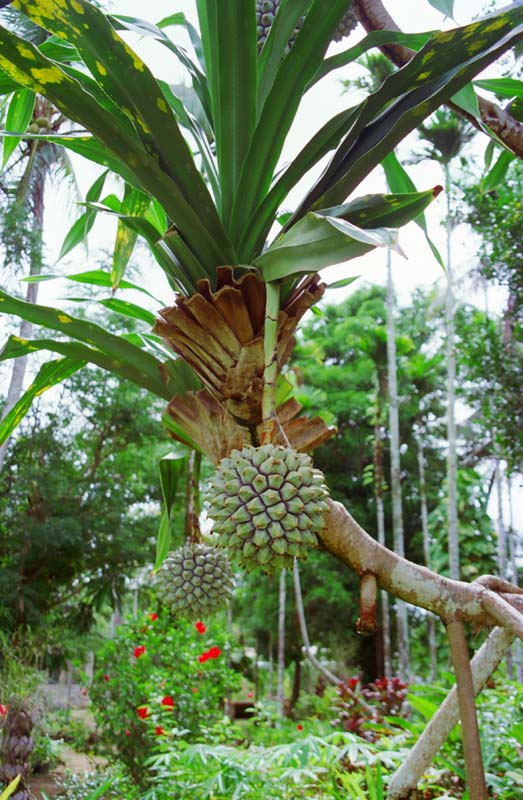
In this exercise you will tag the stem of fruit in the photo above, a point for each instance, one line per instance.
(270, 375)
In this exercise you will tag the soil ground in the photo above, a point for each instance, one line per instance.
(71, 762)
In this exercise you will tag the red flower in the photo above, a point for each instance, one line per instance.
(139, 651)
(3, 710)
(153, 616)
(168, 701)
(300, 727)
(194, 689)
(159, 730)
(214, 652)
(84, 692)
(203, 658)
(250, 694)
(143, 712)
(127, 732)
(200, 627)
(106, 677)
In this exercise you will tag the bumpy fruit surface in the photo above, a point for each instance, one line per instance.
(266, 11)
(195, 581)
(267, 505)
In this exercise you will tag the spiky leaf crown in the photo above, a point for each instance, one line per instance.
(195, 581)
(267, 505)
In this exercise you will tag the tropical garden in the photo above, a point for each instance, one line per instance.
(260, 492)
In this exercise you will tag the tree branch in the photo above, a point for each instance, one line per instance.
(437, 730)
(448, 599)
(373, 16)
(467, 711)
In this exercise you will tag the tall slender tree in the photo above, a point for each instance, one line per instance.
(446, 135)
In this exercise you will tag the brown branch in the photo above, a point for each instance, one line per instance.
(373, 16)
(467, 711)
(448, 599)
(438, 728)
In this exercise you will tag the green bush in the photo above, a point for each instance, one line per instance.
(158, 681)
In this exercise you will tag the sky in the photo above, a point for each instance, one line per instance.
(419, 268)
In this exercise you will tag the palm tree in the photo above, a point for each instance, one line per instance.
(446, 135)
(33, 164)
(240, 293)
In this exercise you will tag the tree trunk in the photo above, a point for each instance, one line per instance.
(395, 472)
(296, 684)
(512, 544)
(281, 645)
(431, 622)
(15, 389)
(452, 460)
(15, 749)
(380, 521)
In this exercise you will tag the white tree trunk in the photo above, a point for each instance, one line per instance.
(281, 644)
(385, 611)
(452, 460)
(395, 472)
(431, 622)
(512, 543)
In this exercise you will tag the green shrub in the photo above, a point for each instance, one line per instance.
(158, 681)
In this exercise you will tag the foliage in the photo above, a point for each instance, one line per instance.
(91, 786)
(75, 501)
(151, 684)
(362, 709)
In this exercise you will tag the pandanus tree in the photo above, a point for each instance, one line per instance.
(208, 211)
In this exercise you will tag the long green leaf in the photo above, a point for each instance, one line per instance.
(448, 62)
(143, 365)
(503, 87)
(10, 789)
(19, 113)
(384, 210)
(134, 204)
(275, 47)
(232, 70)
(16, 347)
(95, 277)
(81, 227)
(112, 61)
(497, 172)
(316, 242)
(172, 468)
(145, 28)
(280, 107)
(398, 180)
(49, 375)
(36, 72)
(163, 540)
(414, 41)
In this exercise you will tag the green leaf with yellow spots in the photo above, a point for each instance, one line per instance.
(26, 64)
(447, 62)
(48, 376)
(126, 79)
(134, 204)
(141, 367)
(18, 117)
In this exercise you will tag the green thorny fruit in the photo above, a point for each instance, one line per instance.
(267, 504)
(266, 11)
(195, 581)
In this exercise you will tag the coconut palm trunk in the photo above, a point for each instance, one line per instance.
(380, 523)
(395, 472)
(431, 622)
(512, 541)
(280, 694)
(36, 208)
(452, 459)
